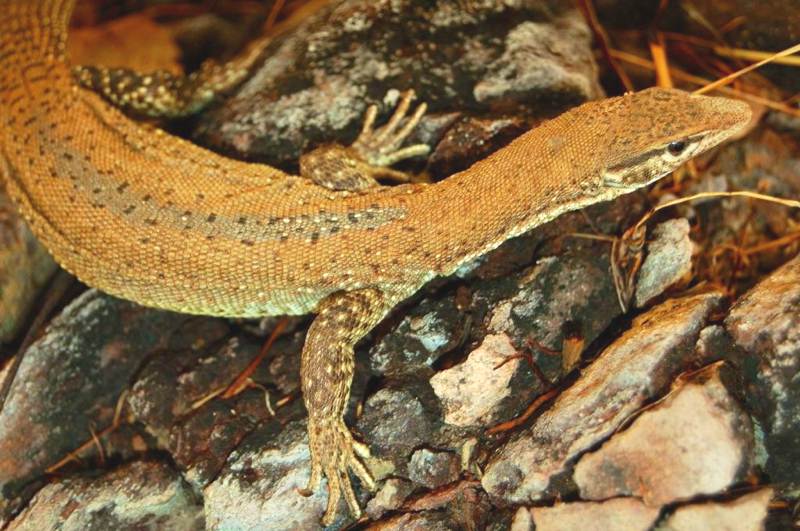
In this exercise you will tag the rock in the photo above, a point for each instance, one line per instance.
(627, 514)
(425, 521)
(764, 322)
(560, 296)
(316, 81)
(668, 261)
(173, 397)
(523, 520)
(633, 369)
(70, 381)
(479, 137)
(430, 330)
(201, 443)
(462, 504)
(394, 423)
(714, 344)
(433, 469)
(139, 495)
(390, 497)
(745, 513)
(258, 489)
(697, 441)
(170, 384)
(533, 61)
(472, 391)
(25, 267)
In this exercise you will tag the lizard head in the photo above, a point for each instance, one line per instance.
(656, 130)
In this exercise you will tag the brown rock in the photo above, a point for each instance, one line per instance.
(746, 513)
(633, 369)
(174, 398)
(697, 441)
(25, 267)
(471, 390)
(622, 513)
(522, 521)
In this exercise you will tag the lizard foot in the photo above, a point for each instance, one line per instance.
(359, 166)
(381, 146)
(334, 453)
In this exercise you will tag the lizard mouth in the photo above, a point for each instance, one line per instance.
(614, 182)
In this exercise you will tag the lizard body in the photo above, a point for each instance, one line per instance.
(155, 219)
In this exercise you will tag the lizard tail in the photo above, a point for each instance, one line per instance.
(35, 28)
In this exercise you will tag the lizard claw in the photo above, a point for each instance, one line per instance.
(334, 453)
(381, 147)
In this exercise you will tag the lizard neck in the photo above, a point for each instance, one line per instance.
(537, 177)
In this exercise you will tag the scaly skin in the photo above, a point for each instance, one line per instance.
(157, 220)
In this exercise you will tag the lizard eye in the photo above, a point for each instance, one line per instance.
(677, 147)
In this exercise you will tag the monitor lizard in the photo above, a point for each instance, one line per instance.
(149, 217)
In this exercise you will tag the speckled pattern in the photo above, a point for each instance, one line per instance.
(164, 94)
(155, 219)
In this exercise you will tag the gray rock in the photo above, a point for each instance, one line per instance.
(573, 287)
(635, 368)
(389, 497)
(171, 399)
(534, 61)
(394, 423)
(170, 384)
(745, 513)
(430, 330)
(714, 344)
(472, 391)
(433, 469)
(764, 322)
(258, 489)
(569, 294)
(70, 381)
(316, 81)
(668, 261)
(627, 514)
(697, 441)
(140, 495)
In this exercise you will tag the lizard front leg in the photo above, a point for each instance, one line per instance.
(327, 371)
(359, 166)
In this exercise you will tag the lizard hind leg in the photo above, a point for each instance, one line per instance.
(327, 365)
(359, 166)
